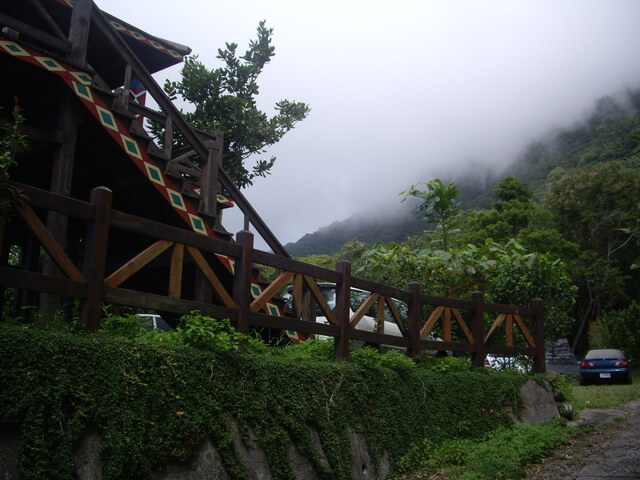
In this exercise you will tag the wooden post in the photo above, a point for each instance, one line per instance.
(95, 257)
(540, 364)
(175, 271)
(414, 319)
(61, 175)
(343, 301)
(209, 180)
(168, 137)
(242, 280)
(79, 31)
(123, 98)
(477, 330)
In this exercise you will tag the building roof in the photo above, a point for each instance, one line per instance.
(44, 24)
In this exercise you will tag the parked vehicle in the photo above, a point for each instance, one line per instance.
(497, 362)
(154, 321)
(605, 365)
(368, 321)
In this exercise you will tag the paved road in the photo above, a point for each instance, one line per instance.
(611, 453)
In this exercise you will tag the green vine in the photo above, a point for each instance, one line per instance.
(153, 403)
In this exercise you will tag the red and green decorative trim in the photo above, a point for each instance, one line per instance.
(80, 83)
(125, 30)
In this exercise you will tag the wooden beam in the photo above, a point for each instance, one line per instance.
(297, 295)
(44, 13)
(95, 257)
(343, 297)
(216, 285)
(395, 313)
(242, 278)
(268, 293)
(49, 243)
(17, 278)
(463, 325)
(509, 330)
(362, 309)
(380, 315)
(433, 318)
(479, 353)
(163, 303)
(175, 271)
(415, 306)
(136, 263)
(446, 325)
(523, 328)
(322, 303)
(79, 31)
(24, 30)
(497, 324)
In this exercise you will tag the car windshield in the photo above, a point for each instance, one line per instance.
(604, 353)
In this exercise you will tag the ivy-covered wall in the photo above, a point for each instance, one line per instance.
(151, 404)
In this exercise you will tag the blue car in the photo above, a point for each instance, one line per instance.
(605, 365)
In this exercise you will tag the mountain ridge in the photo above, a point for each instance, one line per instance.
(611, 131)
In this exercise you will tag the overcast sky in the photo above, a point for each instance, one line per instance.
(404, 91)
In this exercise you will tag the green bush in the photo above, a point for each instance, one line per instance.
(156, 403)
(619, 329)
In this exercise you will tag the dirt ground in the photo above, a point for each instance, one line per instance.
(609, 448)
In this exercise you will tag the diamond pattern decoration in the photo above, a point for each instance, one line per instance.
(131, 146)
(106, 118)
(132, 33)
(50, 64)
(154, 174)
(83, 91)
(273, 309)
(176, 200)
(255, 290)
(82, 77)
(14, 49)
(197, 224)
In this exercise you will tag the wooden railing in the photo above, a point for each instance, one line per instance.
(461, 323)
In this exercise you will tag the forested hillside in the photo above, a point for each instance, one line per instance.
(562, 223)
(610, 132)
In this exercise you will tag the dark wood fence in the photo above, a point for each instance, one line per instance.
(472, 326)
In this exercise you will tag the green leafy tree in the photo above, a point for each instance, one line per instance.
(619, 329)
(518, 276)
(507, 273)
(224, 99)
(596, 208)
(12, 141)
(508, 216)
(439, 206)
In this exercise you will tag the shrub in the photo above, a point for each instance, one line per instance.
(619, 329)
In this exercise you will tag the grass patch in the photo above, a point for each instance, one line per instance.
(605, 395)
(501, 454)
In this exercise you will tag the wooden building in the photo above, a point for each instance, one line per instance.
(77, 74)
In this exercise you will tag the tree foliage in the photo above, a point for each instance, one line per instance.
(438, 205)
(619, 329)
(506, 273)
(12, 141)
(224, 98)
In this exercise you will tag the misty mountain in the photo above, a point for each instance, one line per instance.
(611, 131)
(394, 228)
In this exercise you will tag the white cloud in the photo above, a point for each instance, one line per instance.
(400, 91)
